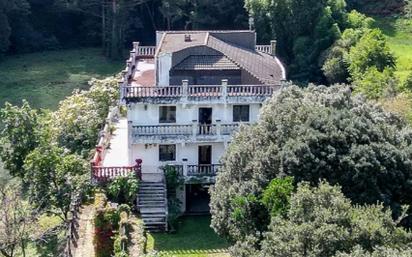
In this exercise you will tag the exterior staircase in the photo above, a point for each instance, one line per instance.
(152, 203)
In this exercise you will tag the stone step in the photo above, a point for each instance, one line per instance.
(152, 210)
(163, 215)
(151, 198)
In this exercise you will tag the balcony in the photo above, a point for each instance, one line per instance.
(199, 93)
(178, 133)
(201, 170)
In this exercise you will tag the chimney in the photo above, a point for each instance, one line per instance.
(273, 47)
(188, 38)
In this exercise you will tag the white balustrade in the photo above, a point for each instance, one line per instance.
(146, 51)
(199, 91)
(267, 49)
(190, 131)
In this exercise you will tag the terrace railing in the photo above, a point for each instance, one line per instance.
(146, 51)
(267, 49)
(190, 170)
(101, 173)
(198, 91)
(190, 131)
(202, 170)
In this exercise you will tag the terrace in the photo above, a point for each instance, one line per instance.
(181, 133)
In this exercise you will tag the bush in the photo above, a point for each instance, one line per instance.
(124, 190)
(174, 182)
(106, 221)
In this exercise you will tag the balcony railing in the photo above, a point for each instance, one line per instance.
(146, 51)
(190, 131)
(201, 170)
(267, 49)
(198, 91)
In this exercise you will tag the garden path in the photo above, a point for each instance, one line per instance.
(86, 231)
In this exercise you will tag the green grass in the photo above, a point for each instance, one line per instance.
(46, 78)
(399, 34)
(194, 238)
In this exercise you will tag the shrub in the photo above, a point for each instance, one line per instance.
(106, 221)
(124, 189)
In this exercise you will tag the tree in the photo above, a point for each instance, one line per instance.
(17, 220)
(311, 134)
(20, 135)
(336, 62)
(322, 222)
(303, 29)
(408, 9)
(54, 178)
(5, 30)
(375, 84)
(378, 252)
(80, 117)
(371, 50)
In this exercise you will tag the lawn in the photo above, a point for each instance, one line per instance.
(194, 238)
(399, 33)
(45, 78)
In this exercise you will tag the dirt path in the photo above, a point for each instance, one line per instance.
(85, 246)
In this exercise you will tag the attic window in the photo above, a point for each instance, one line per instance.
(188, 38)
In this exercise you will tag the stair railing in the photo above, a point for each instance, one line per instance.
(166, 203)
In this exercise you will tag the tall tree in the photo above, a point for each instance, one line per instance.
(311, 134)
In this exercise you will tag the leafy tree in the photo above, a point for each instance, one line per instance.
(304, 29)
(20, 135)
(336, 62)
(408, 9)
(311, 134)
(276, 196)
(54, 177)
(407, 84)
(378, 252)
(17, 221)
(322, 222)
(79, 117)
(371, 50)
(375, 84)
(5, 30)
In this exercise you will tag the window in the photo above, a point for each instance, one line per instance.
(167, 153)
(240, 113)
(167, 114)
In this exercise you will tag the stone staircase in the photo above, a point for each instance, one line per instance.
(152, 204)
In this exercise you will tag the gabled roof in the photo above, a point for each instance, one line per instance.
(263, 67)
(206, 62)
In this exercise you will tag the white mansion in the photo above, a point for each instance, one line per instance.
(185, 98)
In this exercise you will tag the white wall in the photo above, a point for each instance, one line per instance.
(164, 64)
(148, 114)
(150, 155)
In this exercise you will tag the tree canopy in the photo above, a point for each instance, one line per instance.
(311, 134)
(322, 222)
